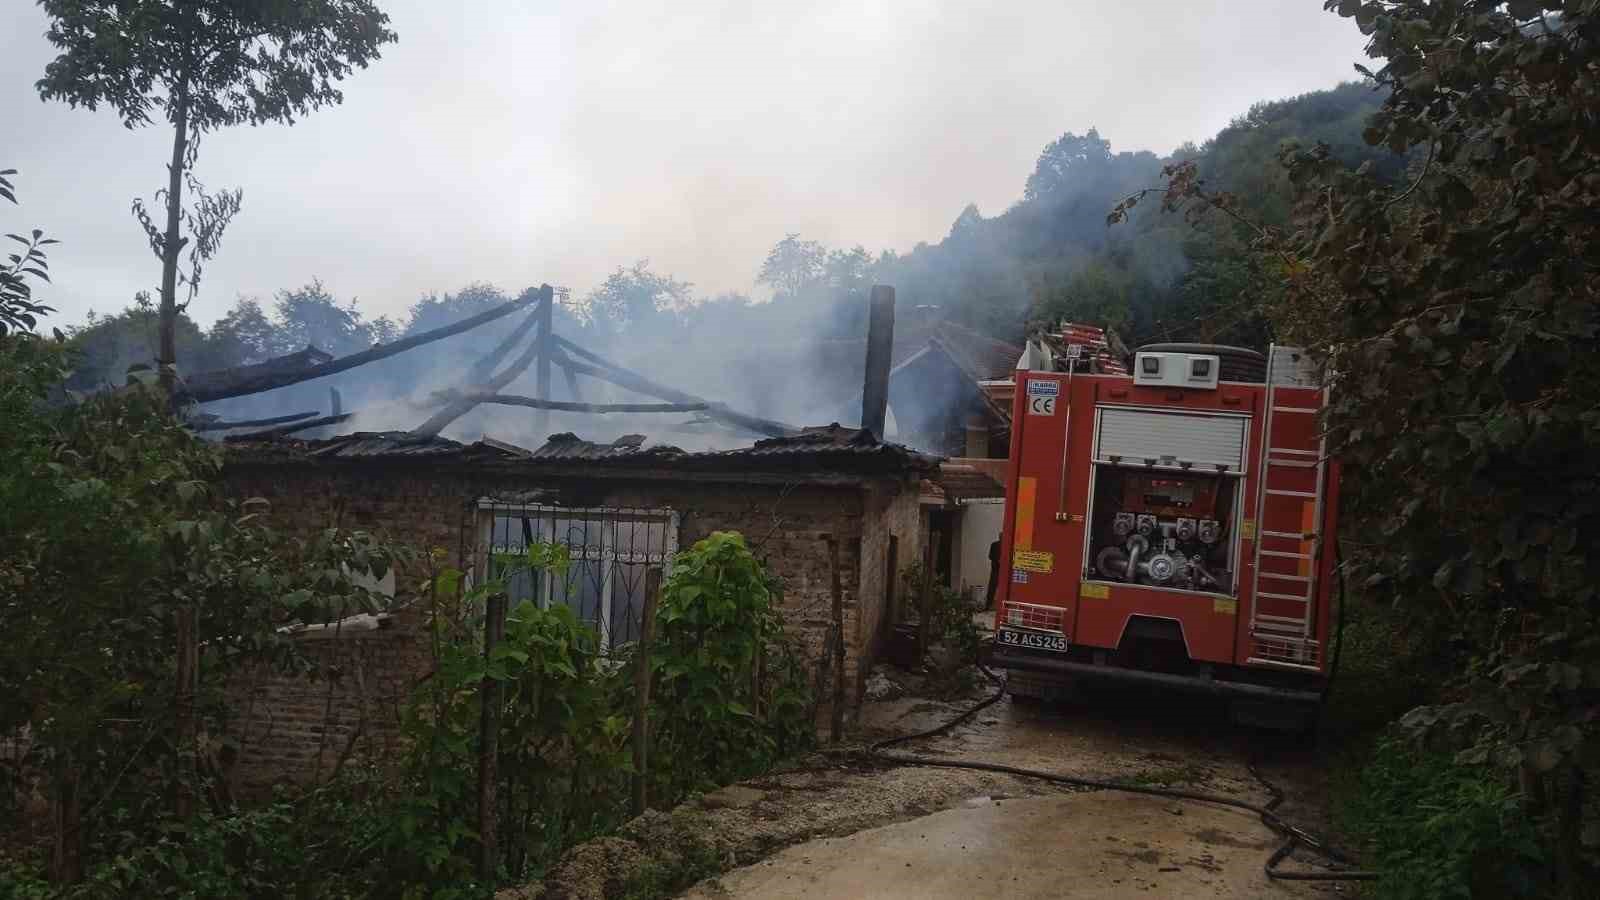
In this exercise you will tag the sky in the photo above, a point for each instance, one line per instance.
(526, 142)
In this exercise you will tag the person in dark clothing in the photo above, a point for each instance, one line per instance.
(994, 574)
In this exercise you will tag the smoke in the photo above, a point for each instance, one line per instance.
(721, 349)
(796, 356)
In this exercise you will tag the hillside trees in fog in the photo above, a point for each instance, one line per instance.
(1049, 257)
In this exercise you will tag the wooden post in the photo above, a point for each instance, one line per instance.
(494, 628)
(66, 849)
(880, 350)
(836, 725)
(547, 345)
(188, 668)
(925, 599)
(641, 691)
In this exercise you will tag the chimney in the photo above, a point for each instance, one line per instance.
(880, 344)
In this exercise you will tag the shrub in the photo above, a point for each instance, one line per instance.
(729, 700)
(949, 611)
(730, 697)
(1437, 829)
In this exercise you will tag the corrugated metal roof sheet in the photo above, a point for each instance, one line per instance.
(826, 447)
(967, 483)
(567, 447)
(382, 443)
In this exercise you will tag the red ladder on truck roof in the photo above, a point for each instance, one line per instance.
(1287, 635)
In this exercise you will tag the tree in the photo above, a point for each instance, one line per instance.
(792, 266)
(1069, 160)
(203, 65)
(18, 311)
(635, 298)
(244, 335)
(1459, 310)
(107, 348)
(310, 316)
(436, 311)
(110, 521)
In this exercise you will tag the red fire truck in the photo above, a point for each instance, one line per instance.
(1170, 525)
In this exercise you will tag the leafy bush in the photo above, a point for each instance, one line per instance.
(318, 844)
(729, 700)
(950, 612)
(1439, 830)
(730, 696)
(562, 767)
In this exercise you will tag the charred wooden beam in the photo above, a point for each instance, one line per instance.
(250, 423)
(757, 424)
(246, 380)
(484, 368)
(567, 406)
(290, 429)
(633, 381)
(541, 370)
(460, 406)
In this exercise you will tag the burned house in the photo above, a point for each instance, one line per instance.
(621, 509)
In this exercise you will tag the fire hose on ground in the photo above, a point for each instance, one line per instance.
(1294, 836)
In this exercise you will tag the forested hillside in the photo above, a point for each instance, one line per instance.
(1050, 256)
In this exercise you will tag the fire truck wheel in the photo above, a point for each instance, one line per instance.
(1032, 689)
(1291, 718)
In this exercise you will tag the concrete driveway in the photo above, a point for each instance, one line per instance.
(1062, 844)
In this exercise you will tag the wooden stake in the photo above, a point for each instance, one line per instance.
(925, 600)
(494, 629)
(641, 691)
(188, 665)
(836, 725)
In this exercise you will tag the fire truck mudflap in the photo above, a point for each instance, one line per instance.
(1166, 527)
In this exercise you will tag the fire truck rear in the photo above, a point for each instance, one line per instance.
(1170, 525)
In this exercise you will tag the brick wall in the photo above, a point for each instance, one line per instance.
(297, 728)
(891, 511)
(287, 724)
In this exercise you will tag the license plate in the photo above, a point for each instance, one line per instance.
(1029, 640)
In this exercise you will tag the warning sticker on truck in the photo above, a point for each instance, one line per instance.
(1042, 561)
(1094, 591)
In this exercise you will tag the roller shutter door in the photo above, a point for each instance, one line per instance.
(1136, 436)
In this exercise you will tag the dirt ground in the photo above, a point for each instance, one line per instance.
(1026, 838)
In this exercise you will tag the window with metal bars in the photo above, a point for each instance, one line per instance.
(611, 551)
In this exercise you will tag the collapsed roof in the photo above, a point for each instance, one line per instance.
(825, 449)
